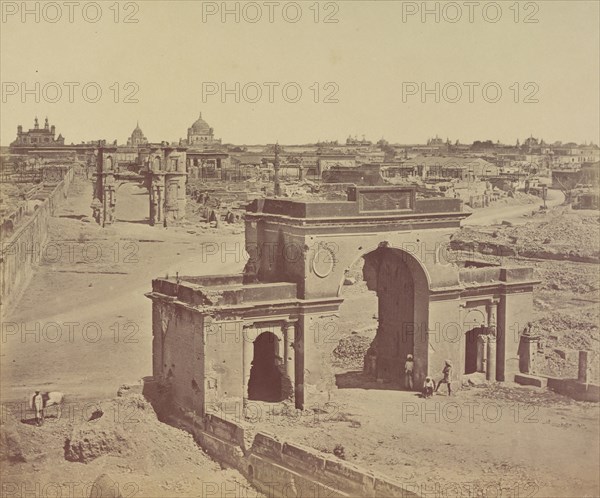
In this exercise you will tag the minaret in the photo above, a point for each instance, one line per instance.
(46, 123)
(36, 125)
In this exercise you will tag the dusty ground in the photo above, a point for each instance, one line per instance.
(83, 327)
(141, 456)
(92, 332)
(521, 440)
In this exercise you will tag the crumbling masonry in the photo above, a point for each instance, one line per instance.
(268, 333)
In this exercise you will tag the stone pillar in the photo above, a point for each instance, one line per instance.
(160, 215)
(492, 308)
(490, 373)
(248, 336)
(174, 197)
(583, 367)
(108, 204)
(156, 199)
(481, 353)
(491, 367)
(528, 353)
(289, 357)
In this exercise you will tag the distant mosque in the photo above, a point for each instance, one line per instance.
(137, 137)
(200, 133)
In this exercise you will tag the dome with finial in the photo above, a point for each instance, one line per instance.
(137, 132)
(137, 136)
(200, 126)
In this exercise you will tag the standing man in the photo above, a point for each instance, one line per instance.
(447, 379)
(38, 406)
(409, 366)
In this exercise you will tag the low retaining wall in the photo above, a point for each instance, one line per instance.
(569, 387)
(281, 468)
(575, 389)
(23, 250)
(276, 467)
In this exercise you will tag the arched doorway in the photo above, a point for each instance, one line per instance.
(266, 377)
(471, 349)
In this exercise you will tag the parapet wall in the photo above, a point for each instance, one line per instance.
(280, 468)
(23, 249)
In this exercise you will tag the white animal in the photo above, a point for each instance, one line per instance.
(48, 399)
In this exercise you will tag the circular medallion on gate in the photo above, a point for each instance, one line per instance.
(323, 262)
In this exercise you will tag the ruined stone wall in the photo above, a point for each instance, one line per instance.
(22, 252)
(178, 354)
(281, 468)
(279, 253)
(225, 341)
(318, 335)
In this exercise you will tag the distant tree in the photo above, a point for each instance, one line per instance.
(480, 145)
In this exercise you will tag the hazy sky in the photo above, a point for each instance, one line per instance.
(364, 61)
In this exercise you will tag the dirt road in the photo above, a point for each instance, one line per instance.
(83, 325)
(494, 215)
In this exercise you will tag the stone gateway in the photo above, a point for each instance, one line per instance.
(268, 333)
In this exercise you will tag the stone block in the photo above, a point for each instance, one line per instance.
(304, 458)
(267, 445)
(530, 380)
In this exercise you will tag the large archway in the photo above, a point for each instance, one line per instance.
(396, 307)
(160, 170)
(266, 376)
(131, 203)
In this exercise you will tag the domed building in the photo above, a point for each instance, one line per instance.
(137, 137)
(200, 133)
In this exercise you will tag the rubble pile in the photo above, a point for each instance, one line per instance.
(562, 337)
(11, 448)
(566, 276)
(109, 430)
(351, 350)
(564, 236)
(570, 332)
(554, 365)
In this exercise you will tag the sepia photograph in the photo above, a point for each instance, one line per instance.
(300, 249)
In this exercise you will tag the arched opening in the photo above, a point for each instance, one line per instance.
(131, 203)
(265, 383)
(395, 313)
(471, 349)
